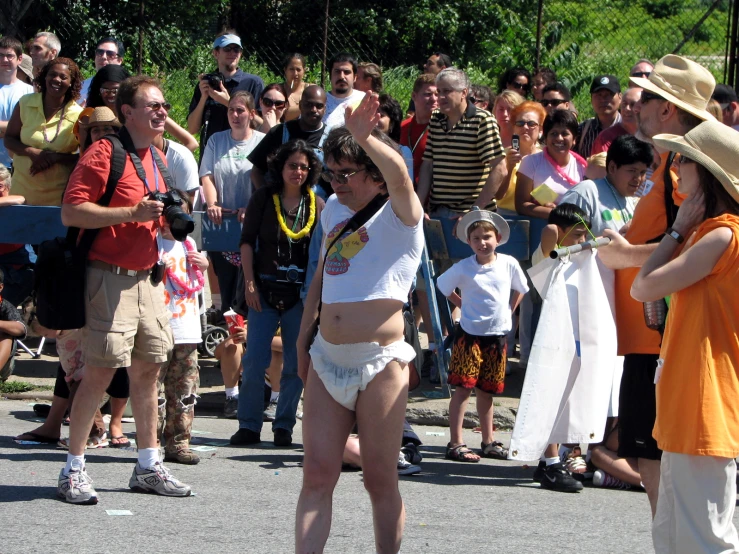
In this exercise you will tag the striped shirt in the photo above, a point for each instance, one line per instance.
(461, 157)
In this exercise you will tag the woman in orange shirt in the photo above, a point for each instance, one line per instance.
(697, 424)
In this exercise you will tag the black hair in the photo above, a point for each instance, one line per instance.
(118, 45)
(75, 85)
(715, 194)
(627, 149)
(2, 277)
(341, 146)
(510, 76)
(291, 57)
(444, 60)
(342, 57)
(567, 215)
(111, 72)
(276, 163)
(391, 108)
(549, 76)
(561, 118)
(560, 88)
(482, 93)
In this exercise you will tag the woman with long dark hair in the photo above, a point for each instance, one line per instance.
(696, 264)
(280, 220)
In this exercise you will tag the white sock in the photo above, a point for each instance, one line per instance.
(232, 392)
(432, 347)
(78, 461)
(550, 461)
(216, 300)
(148, 457)
(274, 397)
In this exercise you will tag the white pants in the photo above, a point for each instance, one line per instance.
(695, 509)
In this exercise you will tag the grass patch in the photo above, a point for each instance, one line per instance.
(14, 387)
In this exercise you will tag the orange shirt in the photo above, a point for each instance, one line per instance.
(129, 245)
(697, 407)
(650, 222)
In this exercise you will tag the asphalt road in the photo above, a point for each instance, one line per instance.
(245, 502)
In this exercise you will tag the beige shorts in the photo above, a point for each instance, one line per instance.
(125, 318)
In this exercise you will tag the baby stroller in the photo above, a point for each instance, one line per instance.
(215, 331)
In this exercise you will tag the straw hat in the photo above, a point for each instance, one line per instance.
(713, 145)
(26, 66)
(476, 214)
(682, 82)
(101, 115)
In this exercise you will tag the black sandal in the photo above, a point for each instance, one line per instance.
(461, 453)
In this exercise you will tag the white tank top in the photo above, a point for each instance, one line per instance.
(379, 260)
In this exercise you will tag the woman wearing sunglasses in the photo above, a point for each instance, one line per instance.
(516, 79)
(280, 220)
(225, 174)
(272, 106)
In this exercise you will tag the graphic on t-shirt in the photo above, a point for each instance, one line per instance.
(616, 215)
(337, 261)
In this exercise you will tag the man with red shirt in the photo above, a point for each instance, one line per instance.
(414, 130)
(127, 322)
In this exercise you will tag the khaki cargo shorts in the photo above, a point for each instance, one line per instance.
(125, 318)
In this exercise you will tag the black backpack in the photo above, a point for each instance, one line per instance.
(61, 265)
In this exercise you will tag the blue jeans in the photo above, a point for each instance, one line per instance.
(261, 328)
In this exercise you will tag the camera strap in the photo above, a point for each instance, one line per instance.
(157, 162)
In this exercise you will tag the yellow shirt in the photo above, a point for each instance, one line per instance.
(508, 202)
(45, 188)
(698, 391)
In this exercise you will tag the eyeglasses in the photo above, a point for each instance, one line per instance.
(295, 167)
(472, 99)
(156, 106)
(102, 53)
(519, 86)
(341, 178)
(8, 57)
(232, 48)
(109, 91)
(273, 103)
(684, 160)
(646, 96)
(554, 103)
(644, 74)
(529, 124)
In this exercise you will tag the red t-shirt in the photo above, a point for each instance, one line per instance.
(606, 137)
(414, 135)
(129, 245)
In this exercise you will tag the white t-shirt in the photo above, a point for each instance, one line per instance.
(9, 96)
(182, 166)
(486, 292)
(182, 305)
(335, 108)
(379, 260)
(538, 169)
(226, 159)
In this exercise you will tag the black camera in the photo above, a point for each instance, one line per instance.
(214, 80)
(180, 223)
(290, 274)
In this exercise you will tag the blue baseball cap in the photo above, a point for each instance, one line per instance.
(225, 40)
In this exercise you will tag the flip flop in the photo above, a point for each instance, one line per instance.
(125, 444)
(35, 437)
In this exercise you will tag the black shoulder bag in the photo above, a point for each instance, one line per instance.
(61, 266)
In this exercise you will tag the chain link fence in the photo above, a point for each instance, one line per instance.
(577, 39)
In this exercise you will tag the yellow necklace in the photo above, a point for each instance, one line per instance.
(308, 226)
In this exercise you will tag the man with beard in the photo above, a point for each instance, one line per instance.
(209, 104)
(308, 127)
(343, 72)
(605, 97)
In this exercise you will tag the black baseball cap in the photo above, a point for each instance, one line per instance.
(724, 94)
(608, 82)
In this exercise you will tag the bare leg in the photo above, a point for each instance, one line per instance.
(649, 471)
(326, 426)
(50, 428)
(143, 377)
(551, 451)
(351, 452)
(229, 354)
(6, 348)
(275, 367)
(117, 407)
(625, 469)
(457, 408)
(380, 414)
(86, 401)
(485, 413)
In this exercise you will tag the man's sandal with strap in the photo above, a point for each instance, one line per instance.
(494, 450)
(460, 453)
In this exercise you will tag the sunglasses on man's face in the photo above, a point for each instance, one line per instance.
(273, 103)
(102, 53)
(156, 106)
(646, 96)
(554, 102)
(644, 74)
(232, 48)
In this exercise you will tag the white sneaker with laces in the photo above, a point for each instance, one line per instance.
(76, 486)
(158, 480)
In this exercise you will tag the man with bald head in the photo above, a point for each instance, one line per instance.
(643, 68)
(627, 126)
(308, 127)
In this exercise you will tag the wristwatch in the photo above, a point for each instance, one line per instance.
(675, 235)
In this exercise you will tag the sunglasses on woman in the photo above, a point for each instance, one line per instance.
(519, 86)
(341, 178)
(529, 124)
(556, 102)
(273, 103)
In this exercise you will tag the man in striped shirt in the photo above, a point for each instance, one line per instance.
(462, 163)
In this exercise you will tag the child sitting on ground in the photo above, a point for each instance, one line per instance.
(180, 376)
(567, 226)
(492, 285)
(11, 328)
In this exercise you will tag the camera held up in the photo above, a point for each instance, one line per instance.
(214, 80)
(180, 223)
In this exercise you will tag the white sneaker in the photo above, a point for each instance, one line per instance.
(76, 487)
(158, 480)
(405, 467)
